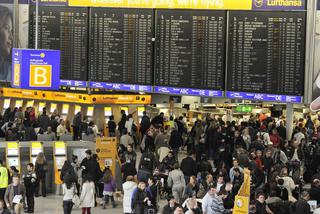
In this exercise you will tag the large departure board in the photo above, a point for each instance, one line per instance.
(266, 52)
(64, 29)
(121, 47)
(190, 49)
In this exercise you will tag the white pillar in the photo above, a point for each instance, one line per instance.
(289, 121)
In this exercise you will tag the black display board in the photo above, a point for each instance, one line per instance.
(121, 45)
(266, 52)
(65, 29)
(190, 49)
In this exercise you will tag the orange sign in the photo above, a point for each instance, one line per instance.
(106, 149)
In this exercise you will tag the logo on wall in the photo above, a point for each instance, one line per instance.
(258, 3)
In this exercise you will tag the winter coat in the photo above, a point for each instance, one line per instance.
(87, 194)
(128, 188)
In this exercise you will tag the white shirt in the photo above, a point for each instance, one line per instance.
(299, 136)
(68, 193)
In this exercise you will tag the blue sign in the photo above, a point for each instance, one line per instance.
(73, 83)
(264, 97)
(121, 87)
(35, 69)
(188, 91)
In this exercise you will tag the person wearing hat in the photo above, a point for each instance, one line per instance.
(171, 206)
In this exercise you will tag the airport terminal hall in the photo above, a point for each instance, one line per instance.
(160, 106)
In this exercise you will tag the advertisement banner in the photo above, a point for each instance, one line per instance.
(35, 69)
(315, 105)
(9, 34)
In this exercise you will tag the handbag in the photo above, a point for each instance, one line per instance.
(76, 200)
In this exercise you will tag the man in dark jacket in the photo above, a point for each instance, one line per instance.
(147, 165)
(44, 120)
(122, 122)
(158, 120)
(90, 167)
(144, 124)
(189, 166)
(76, 124)
(315, 190)
(301, 206)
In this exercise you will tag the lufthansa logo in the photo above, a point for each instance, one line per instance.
(239, 203)
(258, 3)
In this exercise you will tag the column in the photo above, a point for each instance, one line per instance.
(289, 123)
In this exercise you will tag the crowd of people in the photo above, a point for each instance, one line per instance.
(206, 181)
(24, 125)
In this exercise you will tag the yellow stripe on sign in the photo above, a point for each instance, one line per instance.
(36, 145)
(168, 4)
(12, 145)
(59, 144)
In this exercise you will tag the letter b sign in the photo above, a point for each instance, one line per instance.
(40, 75)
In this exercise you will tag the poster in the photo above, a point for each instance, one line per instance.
(8, 35)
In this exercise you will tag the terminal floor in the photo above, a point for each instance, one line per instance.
(53, 205)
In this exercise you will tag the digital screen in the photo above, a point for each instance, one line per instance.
(107, 111)
(6, 103)
(36, 151)
(121, 46)
(53, 106)
(90, 111)
(59, 162)
(13, 162)
(77, 109)
(190, 51)
(65, 29)
(266, 53)
(60, 151)
(30, 103)
(65, 108)
(140, 111)
(13, 152)
(41, 106)
(19, 103)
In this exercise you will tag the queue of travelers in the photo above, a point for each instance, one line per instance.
(206, 180)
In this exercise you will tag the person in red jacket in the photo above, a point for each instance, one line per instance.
(274, 137)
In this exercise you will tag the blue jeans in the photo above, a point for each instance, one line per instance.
(67, 207)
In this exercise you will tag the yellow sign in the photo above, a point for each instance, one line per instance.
(106, 149)
(59, 155)
(16, 75)
(76, 97)
(168, 4)
(40, 75)
(241, 204)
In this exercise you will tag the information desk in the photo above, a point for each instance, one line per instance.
(65, 29)
(121, 46)
(266, 52)
(190, 49)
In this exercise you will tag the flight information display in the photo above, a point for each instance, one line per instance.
(190, 49)
(64, 29)
(266, 52)
(121, 47)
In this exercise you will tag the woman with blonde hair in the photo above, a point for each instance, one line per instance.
(41, 169)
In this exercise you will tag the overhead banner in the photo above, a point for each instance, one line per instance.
(35, 69)
(196, 4)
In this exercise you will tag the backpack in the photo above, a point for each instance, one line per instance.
(134, 128)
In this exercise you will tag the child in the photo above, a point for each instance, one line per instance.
(87, 199)
(108, 188)
(29, 180)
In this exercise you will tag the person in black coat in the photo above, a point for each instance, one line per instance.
(90, 167)
(158, 120)
(122, 122)
(315, 190)
(301, 206)
(261, 205)
(189, 166)
(281, 191)
(140, 198)
(145, 123)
